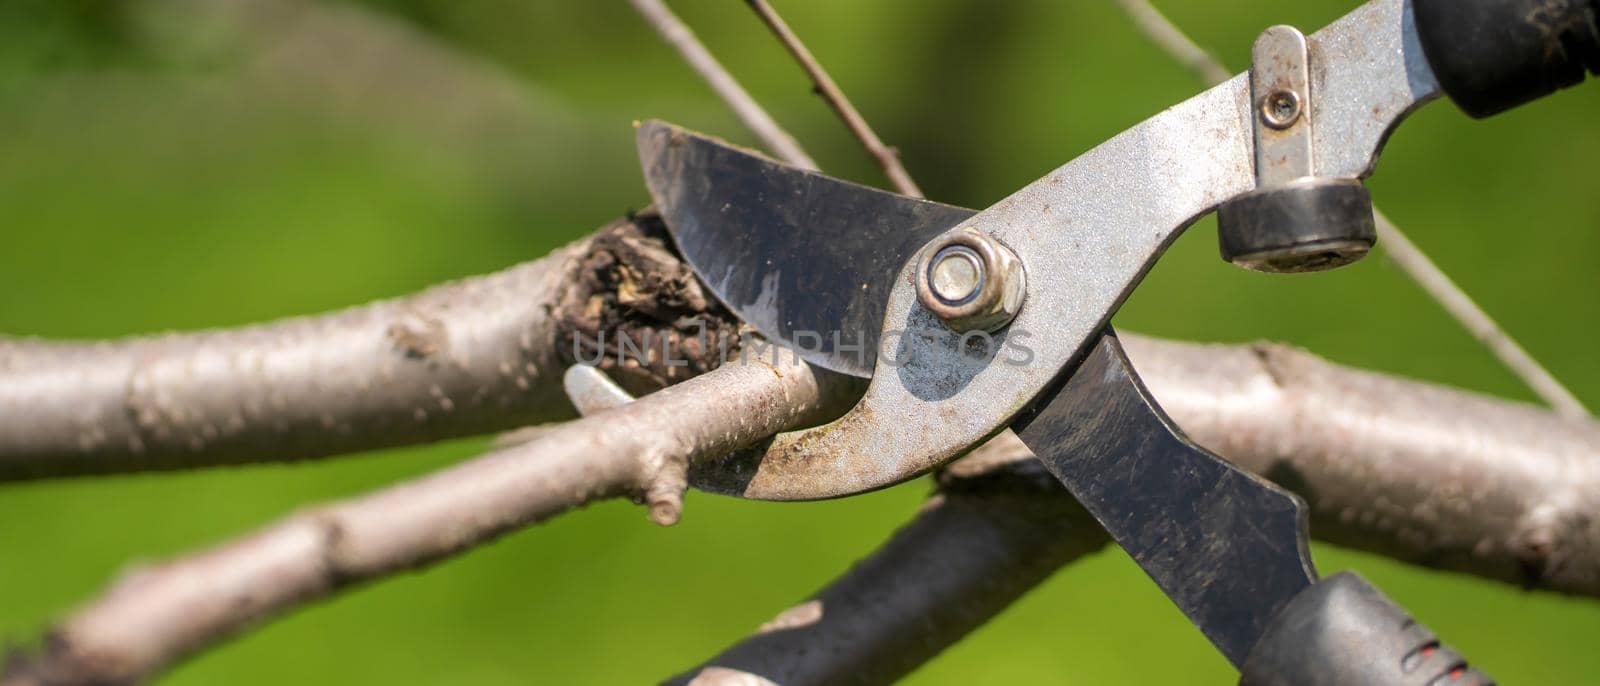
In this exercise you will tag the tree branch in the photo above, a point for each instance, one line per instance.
(1472, 317)
(755, 118)
(1418, 472)
(157, 615)
(474, 356)
(1517, 512)
(888, 160)
(1501, 489)
(1394, 467)
(1166, 35)
(394, 372)
(1405, 254)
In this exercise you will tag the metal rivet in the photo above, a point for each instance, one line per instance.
(970, 281)
(1280, 109)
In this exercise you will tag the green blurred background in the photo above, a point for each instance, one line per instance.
(176, 164)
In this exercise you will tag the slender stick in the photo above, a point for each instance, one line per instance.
(1161, 31)
(755, 118)
(1410, 258)
(888, 159)
(1474, 319)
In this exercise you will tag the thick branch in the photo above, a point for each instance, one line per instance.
(1492, 501)
(157, 615)
(400, 371)
(1418, 472)
(1502, 489)
(475, 356)
(1395, 467)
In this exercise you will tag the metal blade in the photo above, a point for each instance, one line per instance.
(807, 260)
(1228, 547)
(1086, 233)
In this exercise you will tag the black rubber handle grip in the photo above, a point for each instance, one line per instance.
(1344, 631)
(1492, 55)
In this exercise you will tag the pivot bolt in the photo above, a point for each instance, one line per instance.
(970, 281)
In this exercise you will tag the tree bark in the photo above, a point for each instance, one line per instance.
(1400, 468)
(474, 356)
(1419, 472)
(1423, 473)
(157, 615)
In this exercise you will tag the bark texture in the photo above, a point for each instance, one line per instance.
(1419, 472)
(157, 615)
(474, 356)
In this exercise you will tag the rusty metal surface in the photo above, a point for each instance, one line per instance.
(1280, 86)
(1086, 234)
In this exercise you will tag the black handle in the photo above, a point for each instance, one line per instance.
(1344, 631)
(1492, 55)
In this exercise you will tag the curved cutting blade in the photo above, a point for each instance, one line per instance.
(1227, 546)
(807, 260)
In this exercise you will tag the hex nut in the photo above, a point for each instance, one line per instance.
(947, 286)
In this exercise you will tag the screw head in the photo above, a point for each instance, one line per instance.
(970, 281)
(1281, 109)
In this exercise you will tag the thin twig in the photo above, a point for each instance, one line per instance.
(1474, 319)
(888, 159)
(676, 33)
(1160, 30)
(1404, 253)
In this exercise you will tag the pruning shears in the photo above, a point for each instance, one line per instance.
(969, 323)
